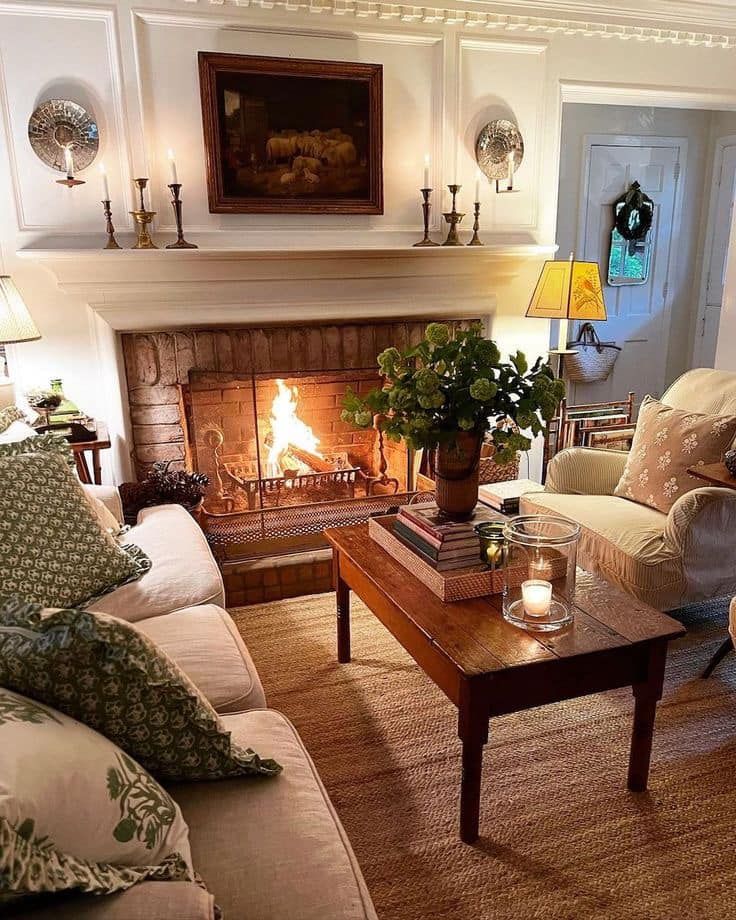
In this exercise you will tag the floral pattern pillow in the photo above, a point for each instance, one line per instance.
(107, 674)
(52, 547)
(666, 442)
(78, 813)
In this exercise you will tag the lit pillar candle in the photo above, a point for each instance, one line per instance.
(536, 596)
(426, 171)
(105, 186)
(172, 169)
(69, 161)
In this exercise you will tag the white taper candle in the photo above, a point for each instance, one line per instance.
(105, 186)
(172, 168)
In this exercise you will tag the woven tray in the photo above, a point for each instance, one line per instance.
(456, 585)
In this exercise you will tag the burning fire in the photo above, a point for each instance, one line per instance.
(287, 430)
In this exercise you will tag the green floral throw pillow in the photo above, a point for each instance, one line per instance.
(52, 547)
(107, 674)
(78, 813)
(48, 443)
(8, 415)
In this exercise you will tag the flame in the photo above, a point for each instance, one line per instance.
(287, 428)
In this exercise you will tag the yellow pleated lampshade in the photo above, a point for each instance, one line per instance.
(16, 324)
(568, 290)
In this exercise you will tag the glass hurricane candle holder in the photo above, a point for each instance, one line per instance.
(539, 572)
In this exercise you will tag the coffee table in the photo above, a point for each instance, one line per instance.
(487, 667)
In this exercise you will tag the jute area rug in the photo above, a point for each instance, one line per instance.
(560, 835)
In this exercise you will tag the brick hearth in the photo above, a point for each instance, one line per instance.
(158, 364)
(169, 371)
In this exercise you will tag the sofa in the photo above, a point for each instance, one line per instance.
(266, 850)
(665, 560)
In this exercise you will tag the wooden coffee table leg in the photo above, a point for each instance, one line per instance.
(473, 731)
(342, 592)
(646, 696)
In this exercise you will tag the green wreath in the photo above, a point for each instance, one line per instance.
(633, 213)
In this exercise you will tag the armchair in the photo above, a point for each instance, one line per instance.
(665, 560)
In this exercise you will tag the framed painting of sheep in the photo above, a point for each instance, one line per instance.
(292, 136)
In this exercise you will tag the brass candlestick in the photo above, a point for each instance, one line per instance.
(475, 241)
(180, 243)
(143, 218)
(425, 241)
(112, 243)
(453, 218)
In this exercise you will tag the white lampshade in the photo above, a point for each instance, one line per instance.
(16, 324)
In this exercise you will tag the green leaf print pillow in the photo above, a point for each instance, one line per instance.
(104, 672)
(78, 813)
(52, 547)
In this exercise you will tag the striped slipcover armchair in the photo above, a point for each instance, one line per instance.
(665, 560)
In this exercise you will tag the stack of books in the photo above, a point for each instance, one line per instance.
(505, 496)
(443, 544)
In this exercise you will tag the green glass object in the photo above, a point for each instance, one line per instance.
(67, 409)
(492, 543)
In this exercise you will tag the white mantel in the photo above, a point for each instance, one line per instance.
(145, 290)
(165, 289)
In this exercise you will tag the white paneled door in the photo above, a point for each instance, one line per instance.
(638, 315)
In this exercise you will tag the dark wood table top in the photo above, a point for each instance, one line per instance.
(473, 633)
(714, 473)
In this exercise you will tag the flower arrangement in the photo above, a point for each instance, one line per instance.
(457, 382)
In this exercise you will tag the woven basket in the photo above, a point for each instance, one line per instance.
(592, 360)
(489, 471)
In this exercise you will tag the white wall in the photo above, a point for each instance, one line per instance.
(135, 64)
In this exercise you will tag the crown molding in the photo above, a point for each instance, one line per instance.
(712, 24)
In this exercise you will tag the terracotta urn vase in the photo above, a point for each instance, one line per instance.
(456, 466)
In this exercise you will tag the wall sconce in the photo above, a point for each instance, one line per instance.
(499, 151)
(64, 136)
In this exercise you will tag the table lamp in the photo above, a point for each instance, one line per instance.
(565, 291)
(16, 325)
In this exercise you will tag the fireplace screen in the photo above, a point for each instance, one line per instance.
(282, 463)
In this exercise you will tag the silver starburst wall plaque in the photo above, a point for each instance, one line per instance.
(496, 141)
(58, 124)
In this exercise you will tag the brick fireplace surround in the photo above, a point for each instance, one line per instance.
(161, 366)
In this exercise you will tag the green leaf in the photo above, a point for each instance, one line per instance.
(124, 830)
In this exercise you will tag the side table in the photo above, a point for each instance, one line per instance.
(79, 449)
(715, 474)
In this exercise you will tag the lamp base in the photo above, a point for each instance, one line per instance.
(7, 392)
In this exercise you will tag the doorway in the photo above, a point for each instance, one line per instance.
(670, 153)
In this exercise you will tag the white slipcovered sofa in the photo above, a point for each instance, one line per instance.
(267, 850)
(665, 560)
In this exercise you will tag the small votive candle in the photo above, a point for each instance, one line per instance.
(536, 596)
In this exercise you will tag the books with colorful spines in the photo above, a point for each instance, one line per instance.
(456, 540)
(428, 518)
(504, 496)
(441, 566)
(454, 550)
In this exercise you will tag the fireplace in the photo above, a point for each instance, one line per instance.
(259, 411)
(282, 463)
